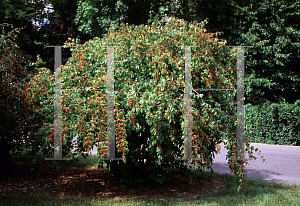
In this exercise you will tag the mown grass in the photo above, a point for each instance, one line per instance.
(258, 192)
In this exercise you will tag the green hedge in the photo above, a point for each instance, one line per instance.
(273, 123)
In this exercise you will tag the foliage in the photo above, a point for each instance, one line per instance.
(273, 123)
(95, 17)
(265, 78)
(18, 14)
(271, 64)
(13, 77)
(239, 20)
(152, 65)
(32, 41)
(272, 27)
(272, 71)
(59, 29)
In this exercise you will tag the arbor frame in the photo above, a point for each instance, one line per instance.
(187, 99)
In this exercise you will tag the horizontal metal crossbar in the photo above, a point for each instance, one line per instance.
(97, 89)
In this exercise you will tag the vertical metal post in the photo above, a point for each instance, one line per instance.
(110, 106)
(240, 135)
(188, 119)
(240, 104)
(57, 108)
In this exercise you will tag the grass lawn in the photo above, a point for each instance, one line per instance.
(84, 184)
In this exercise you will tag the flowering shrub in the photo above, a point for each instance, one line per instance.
(149, 99)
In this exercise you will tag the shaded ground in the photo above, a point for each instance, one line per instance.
(93, 183)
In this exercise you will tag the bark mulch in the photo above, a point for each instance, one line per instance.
(93, 183)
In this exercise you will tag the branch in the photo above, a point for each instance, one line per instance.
(4, 24)
(53, 99)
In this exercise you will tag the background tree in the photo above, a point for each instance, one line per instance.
(12, 105)
(272, 27)
(61, 26)
(94, 17)
(19, 15)
(33, 41)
